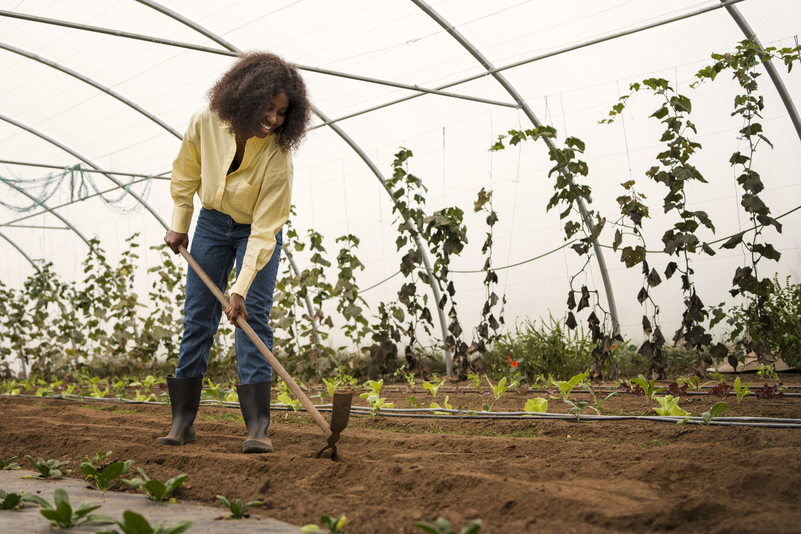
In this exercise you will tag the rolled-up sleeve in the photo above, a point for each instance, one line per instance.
(185, 180)
(269, 215)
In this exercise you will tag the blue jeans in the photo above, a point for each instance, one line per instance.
(218, 242)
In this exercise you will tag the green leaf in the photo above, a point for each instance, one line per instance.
(428, 528)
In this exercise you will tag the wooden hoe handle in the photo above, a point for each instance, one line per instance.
(299, 393)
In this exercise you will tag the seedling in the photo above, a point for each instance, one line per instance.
(147, 383)
(133, 523)
(331, 385)
(740, 390)
(156, 490)
(333, 525)
(8, 465)
(409, 377)
(238, 508)
(769, 392)
(713, 412)
(63, 516)
(476, 381)
(597, 402)
(433, 386)
(218, 393)
(564, 388)
(285, 397)
(446, 406)
(412, 402)
(98, 458)
(578, 407)
(670, 407)
(376, 403)
(144, 398)
(14, 501)
(536, 405)
(768, 372)
(648, 386)
(374, 386)
(47, 390)
(498, 389)
(721, 390)
(107, 476)
(694, 382)
(443, 526)
(47, 469)
(676, 389)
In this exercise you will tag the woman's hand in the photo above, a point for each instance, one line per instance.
(236, 307)
(174, 239)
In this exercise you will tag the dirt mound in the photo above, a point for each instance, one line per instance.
(517, 476)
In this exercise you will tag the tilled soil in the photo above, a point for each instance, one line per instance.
(516, 475)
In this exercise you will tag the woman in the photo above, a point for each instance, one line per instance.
(236, 155)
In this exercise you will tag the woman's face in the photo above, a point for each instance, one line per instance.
(274, 117)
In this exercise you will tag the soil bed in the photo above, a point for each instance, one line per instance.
(518, 476)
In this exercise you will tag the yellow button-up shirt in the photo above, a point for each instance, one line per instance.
(258, 193)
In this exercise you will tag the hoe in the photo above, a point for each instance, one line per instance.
(340, 413)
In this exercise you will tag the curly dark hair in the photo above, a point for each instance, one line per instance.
(241, 96)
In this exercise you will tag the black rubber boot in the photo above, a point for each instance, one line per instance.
(254, 400)
(184, 401)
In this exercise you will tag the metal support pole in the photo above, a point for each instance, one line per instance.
(38, 270)
(610, 297)
(770, 67)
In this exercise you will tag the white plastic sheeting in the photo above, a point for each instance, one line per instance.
(335, 191)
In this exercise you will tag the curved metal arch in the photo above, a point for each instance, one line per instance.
(65, 148)
(62, 219)
(487, 64)
(90, 81)
(769, 66)
(150, 116)
(4, 236)
(345, 137)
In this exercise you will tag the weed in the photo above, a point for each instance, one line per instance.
(121, 410)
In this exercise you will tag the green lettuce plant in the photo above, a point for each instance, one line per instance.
(47, 468)
(536, 405)
(155, 489)
(669, 406)
(564, 388)
(333, 525)
(14, 501)
(105, 477)
(8, 465)
(61, 515)
(445, 406)
(238, 508)
(713, 412)
(433, 386)
(648, 386)
(740, 390)
(133, 523)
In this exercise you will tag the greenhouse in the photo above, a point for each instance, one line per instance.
(513, 241)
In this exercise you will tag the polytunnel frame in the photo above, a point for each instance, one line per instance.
(495, 71)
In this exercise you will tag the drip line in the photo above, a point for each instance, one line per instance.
(444, 413)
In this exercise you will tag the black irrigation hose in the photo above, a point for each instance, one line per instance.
(443, 413)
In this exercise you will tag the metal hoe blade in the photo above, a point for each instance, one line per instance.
(340, 414)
